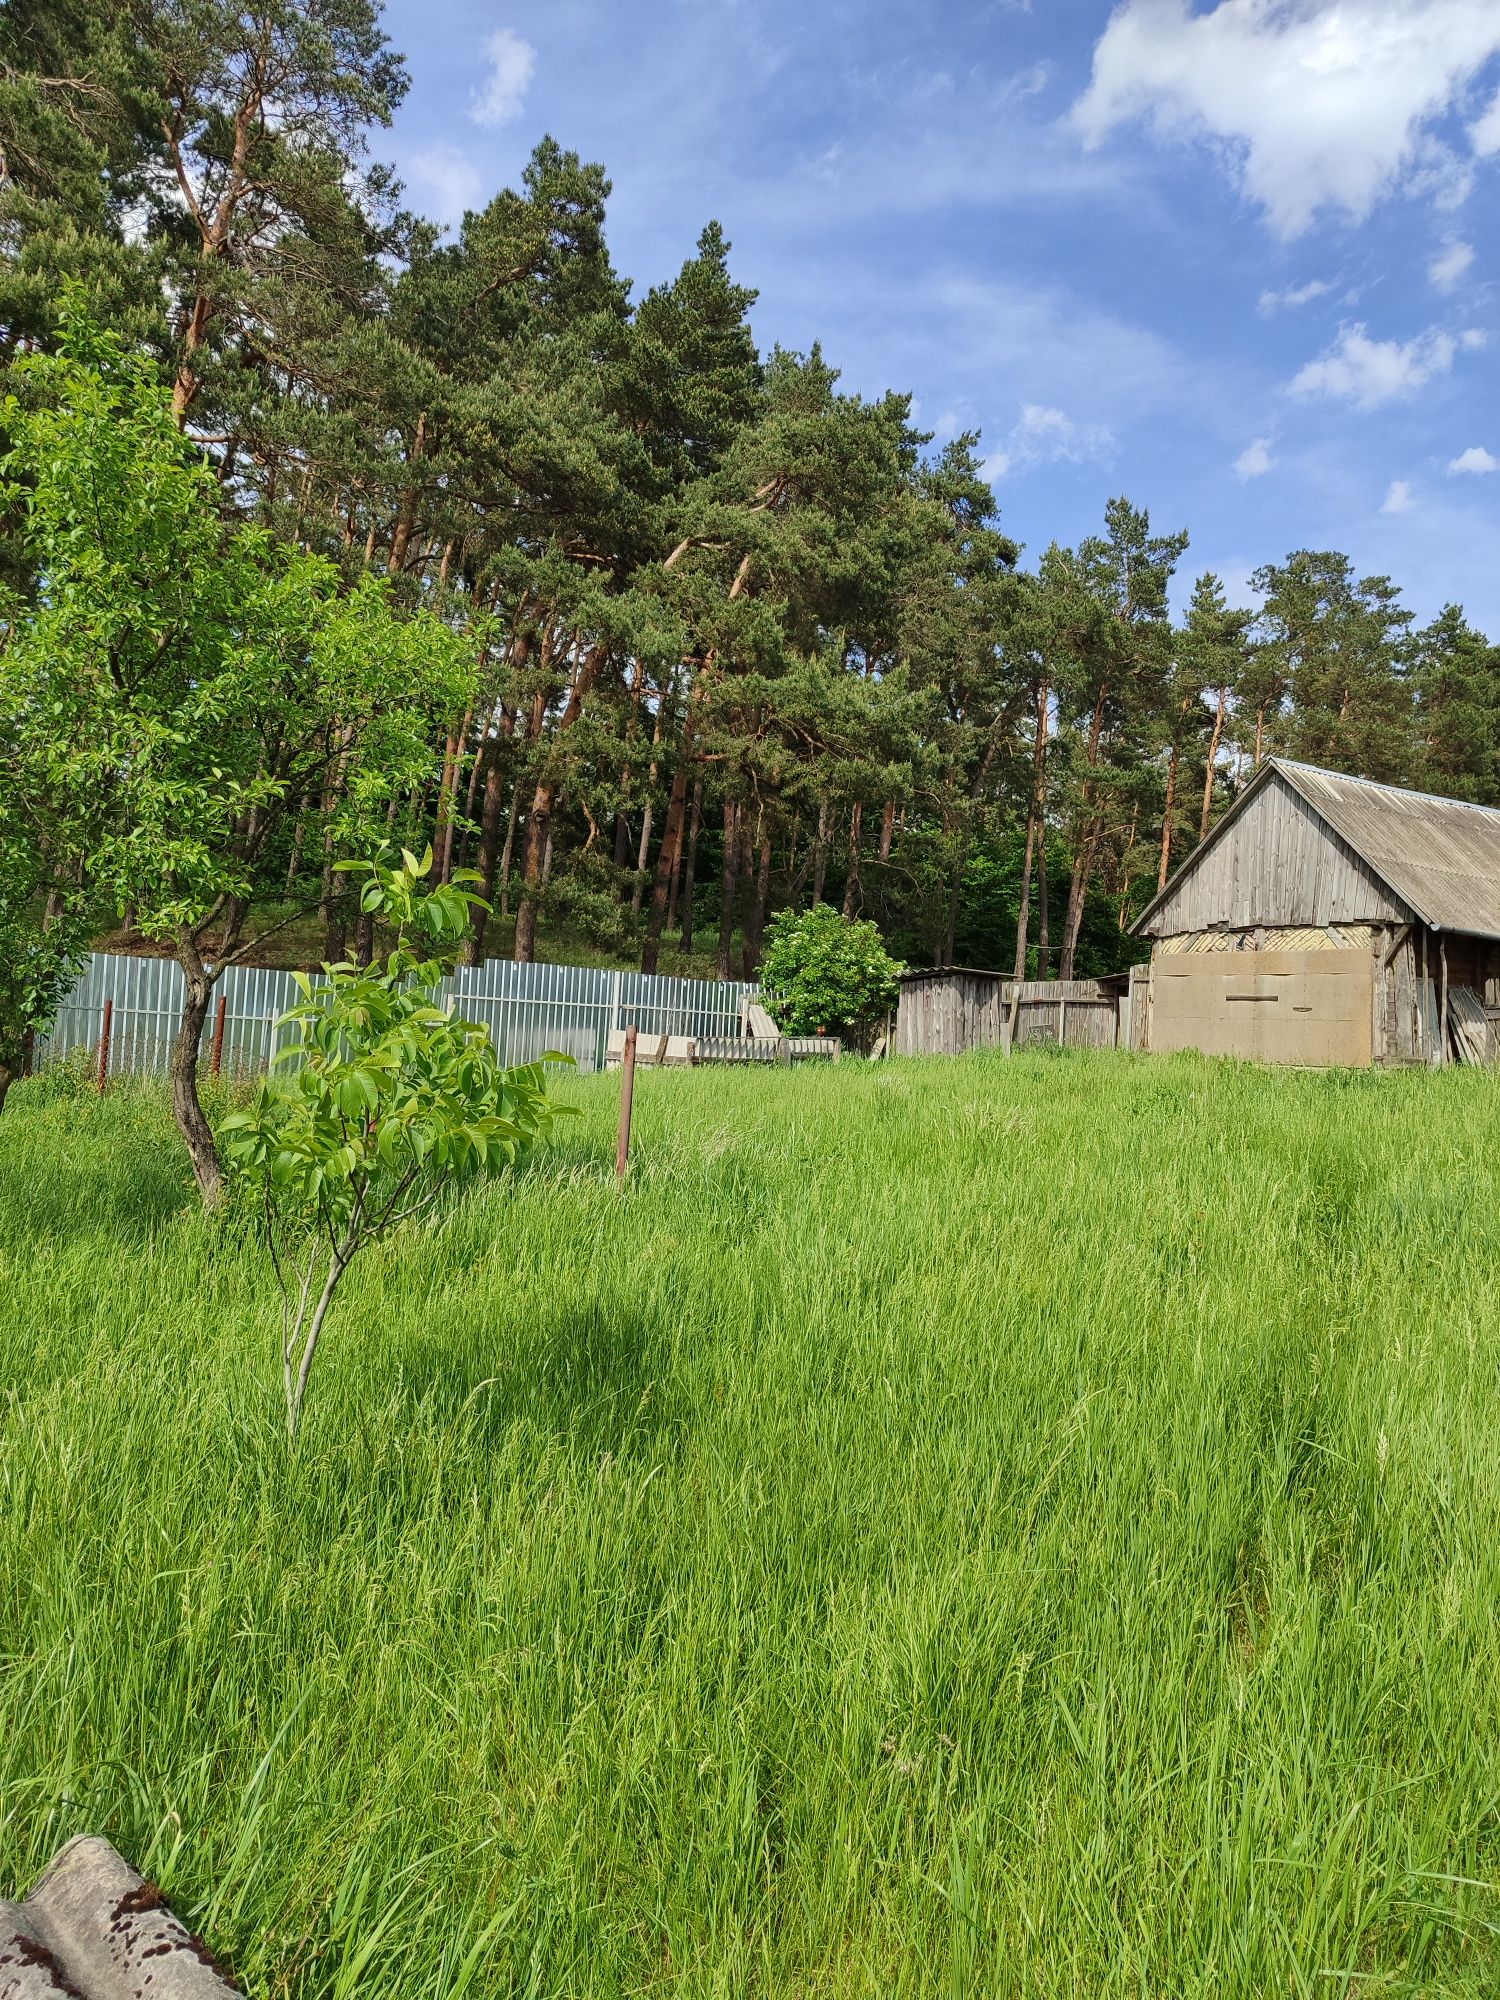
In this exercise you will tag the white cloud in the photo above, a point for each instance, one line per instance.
(1475, 459)
(452, 183)
(1026, 82)
(1045, 436)
(1312, 103)
(1255, 460)
(1294, 295)
(1398, 498)
(500, 96)
(1369, 372)
(1449, 265)
(1484, 134)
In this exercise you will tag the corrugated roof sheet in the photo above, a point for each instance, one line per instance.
(1441, 856)
(92, 1929)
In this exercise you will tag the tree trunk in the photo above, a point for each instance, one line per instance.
(622, 840)
(7, 1078)
(296, 860)
(666, 861)
(1023, 907)
(332, 911)
(820, 854)
(690, 866)
(950, 924)
(196, 1131)
(1078, 888)
(364, 937)
(852, 894)
(407, 508)
(1164, 866)
(508, 851)
(759, 901)
(1043, 904)
(729, 886)
(538, 834)
(1036, 832)
(887, 828)
(443, 812)
(1208, 774)
(637, 893)
(489, 849)
(448, 813)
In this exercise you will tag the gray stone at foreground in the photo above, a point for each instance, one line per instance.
(93, 1929)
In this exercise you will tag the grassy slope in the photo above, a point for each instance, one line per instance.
(966, 1528)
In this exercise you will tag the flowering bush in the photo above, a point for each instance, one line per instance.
(824, 972)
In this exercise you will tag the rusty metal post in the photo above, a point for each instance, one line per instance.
(104, 1027)
(627, 1099)
(216, 1059)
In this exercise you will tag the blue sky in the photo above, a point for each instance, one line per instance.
(1235, 260)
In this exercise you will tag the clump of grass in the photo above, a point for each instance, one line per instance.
(968, 1527)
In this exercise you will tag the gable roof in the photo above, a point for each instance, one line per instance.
(1440, 856)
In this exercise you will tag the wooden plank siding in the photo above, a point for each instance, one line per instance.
(949, 1011)
(1279, 863)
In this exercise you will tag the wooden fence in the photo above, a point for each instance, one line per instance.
(1062, 1013)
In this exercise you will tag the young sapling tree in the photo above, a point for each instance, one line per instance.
(205, 688)
(384, 1102)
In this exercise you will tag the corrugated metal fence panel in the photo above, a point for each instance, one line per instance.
(528, 1010)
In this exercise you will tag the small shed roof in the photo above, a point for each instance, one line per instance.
(949, 972)
(1440, 856)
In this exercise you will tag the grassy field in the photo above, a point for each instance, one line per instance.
(967, 1529)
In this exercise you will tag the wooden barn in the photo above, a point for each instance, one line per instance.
(1330, 920)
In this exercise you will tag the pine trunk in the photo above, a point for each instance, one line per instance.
(508, 851)
(852, 893)
(489, 848)
(690, 866)
(1023, 908)
(820, 854)
(533, 870)
(1208, 773)
(1164, 866)
(666, 861)
(729, 885)
(758, 903)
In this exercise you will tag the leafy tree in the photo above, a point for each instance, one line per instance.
(46, 927)
(387, 1103)
(825, 972)
(203, 690)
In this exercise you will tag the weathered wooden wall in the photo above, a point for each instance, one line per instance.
(945, 1012)
(1277, 863)
(1062, 1013)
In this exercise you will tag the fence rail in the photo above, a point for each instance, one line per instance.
(527, 1008)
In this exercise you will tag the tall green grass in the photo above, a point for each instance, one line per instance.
(966, 1528)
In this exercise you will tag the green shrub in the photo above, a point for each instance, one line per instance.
(827, 973)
